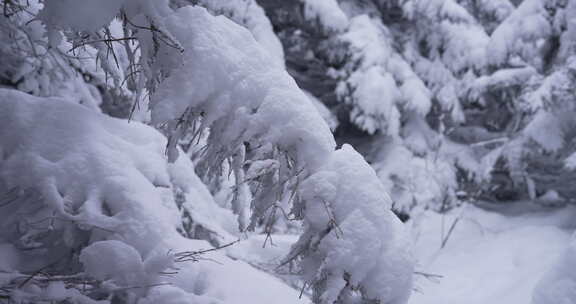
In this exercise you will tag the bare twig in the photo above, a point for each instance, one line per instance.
(429, 275)
(193, 256)
(445, 240)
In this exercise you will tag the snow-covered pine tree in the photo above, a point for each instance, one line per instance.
(529, 83)
(393, 71)
(441, 96)
(113, 206)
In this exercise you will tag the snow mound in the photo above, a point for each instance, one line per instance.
(122, 263)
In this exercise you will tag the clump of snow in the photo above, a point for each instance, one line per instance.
(570, 161)
(550, 198)
(499, 9)
(369, 39)
(452, 33)
(327, 115)
(327, 12)
(547, 130)
(379, 80)
(253, 17)
(519, 33)
(122, 263)
(554, 91)
(226, 75)
(501, 79)
(346, 197)
(373, 100)
(424, 181)
(415, 95)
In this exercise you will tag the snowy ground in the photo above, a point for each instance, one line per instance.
(267, 255)
(490, 257)
(494, 258)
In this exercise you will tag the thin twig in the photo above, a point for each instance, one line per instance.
(445, 240)
(193, 255)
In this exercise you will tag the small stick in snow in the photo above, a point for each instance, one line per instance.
(193, 255)
(450, 232)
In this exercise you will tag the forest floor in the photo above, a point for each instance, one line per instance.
(494, 257)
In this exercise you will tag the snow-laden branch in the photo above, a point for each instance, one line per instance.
(207, 71)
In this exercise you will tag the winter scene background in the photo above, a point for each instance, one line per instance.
(288, 151)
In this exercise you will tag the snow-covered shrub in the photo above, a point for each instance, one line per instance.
(91, 188)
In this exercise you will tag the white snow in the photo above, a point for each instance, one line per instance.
(226, 74)
(327, 12)
(253, 17)
(369, 39)
(501, 79)
(493, 257)
(449, 27)
(118, 191)
(547, 130)
(374, 99)
(123, 263)
(327, 115)
(346, 196)
(519, 33)
(412, 179)
(108, 181)
(558, 285)
(499, 9)
(379, 80)
(85, 197)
